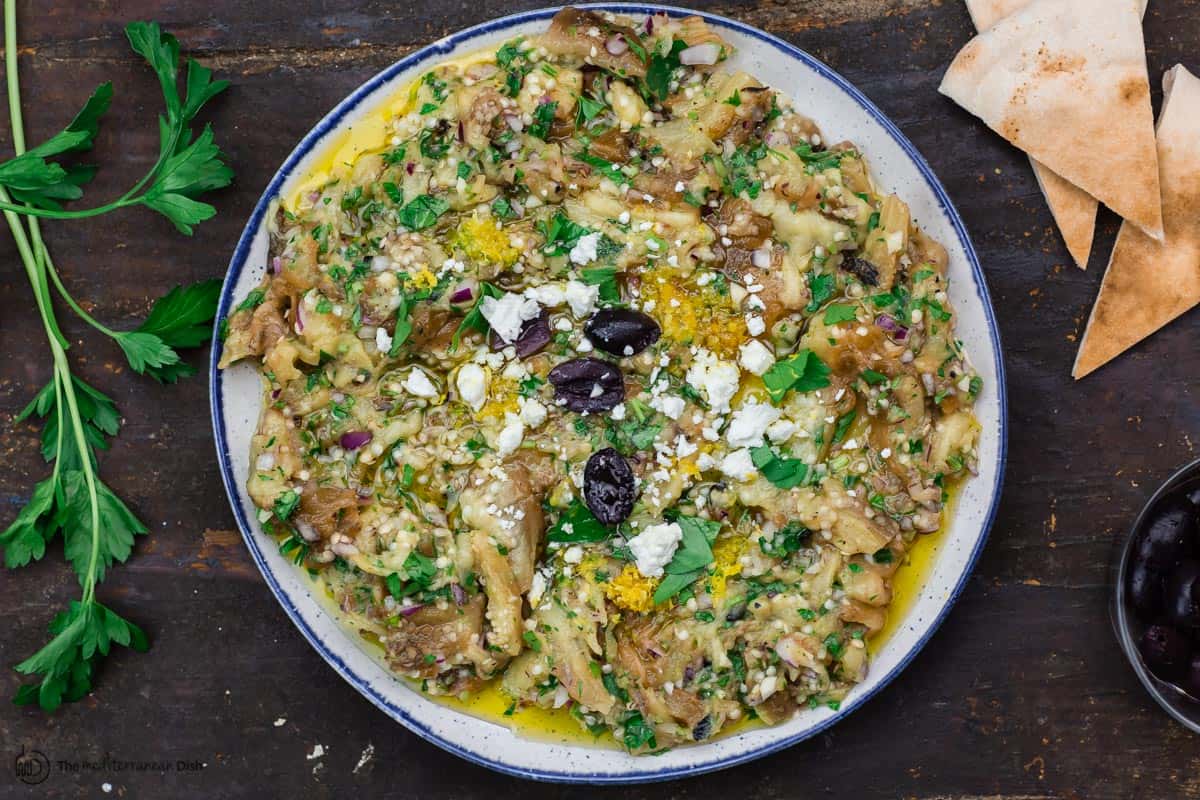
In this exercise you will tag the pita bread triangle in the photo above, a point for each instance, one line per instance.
(1052, 78)
(1149, 283)
(1074, 210)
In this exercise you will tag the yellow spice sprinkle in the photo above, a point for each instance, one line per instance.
(727, 553)
(483, 240)
(631, 591)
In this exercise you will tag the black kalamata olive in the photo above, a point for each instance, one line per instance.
(622, 331)
(1168, 538)
(736, 613)
(587, 384)
(1183, 595)
(609, 487)
(862, 269)
(1146, 589)
(702, 730)
(535, 334)
(1165, 651)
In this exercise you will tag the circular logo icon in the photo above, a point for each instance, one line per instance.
(31, 766)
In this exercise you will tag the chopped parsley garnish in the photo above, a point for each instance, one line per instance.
(843, 426)
(785, 473)
(577, 524)
(821, 288)
(543, 118)
(802, 372)
(838, 312)
(422, 212)
(285, 504)
(691, 559)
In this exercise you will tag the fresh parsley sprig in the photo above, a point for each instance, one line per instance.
(96, 527)
(185, 168)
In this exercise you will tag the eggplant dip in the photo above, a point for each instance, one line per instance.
(606, 377)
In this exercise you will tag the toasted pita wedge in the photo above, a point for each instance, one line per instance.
(1149, 283)
(1065, 81)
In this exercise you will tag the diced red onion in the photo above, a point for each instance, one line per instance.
(649, 25)
(410, 167)
(460, 594)
(889, 324)
(700, 54)
(307, 531)
(408, 611)
(276, 265)
(463, 294)
(777, 139)
(300, 317)
(514, 122)
(616, 44)
(275, 394)
(355, 439)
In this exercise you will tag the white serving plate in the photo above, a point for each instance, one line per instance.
(842, 113)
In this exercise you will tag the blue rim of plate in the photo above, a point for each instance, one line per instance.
(332, 120)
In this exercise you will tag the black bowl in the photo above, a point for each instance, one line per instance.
(1128, 627)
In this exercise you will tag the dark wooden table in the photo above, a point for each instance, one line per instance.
(1022, 693)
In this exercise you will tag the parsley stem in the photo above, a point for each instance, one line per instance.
(70, 301)
(37, 263)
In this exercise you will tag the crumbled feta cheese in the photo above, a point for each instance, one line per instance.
(533, 413)
(417, 383)
(507, 314)
(584, 251)
(582, 298)
(511, 435)
(781, 430)
(749, 424)
(684, 448)
(669, 405)
(537, 588)
(739, 465)
(755, 357)
(717, 380)
(471, 382)
(548, 295)
(383, 340)
(705, 461)
(755, 324)
(654, 547)
(573, 555)
(618, 412)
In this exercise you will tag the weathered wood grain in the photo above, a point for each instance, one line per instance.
(1021, 694)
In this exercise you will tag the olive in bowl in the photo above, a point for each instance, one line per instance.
(1156, 596)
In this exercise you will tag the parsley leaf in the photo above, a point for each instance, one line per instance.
(577, 524)
(543, 118)
(821, 288)
(422, 212)
(606, 279)
(838, 312)
(785, 473)
(82, 635)
(661, 69)
(802, 372)
(692, 557)
(180, 318)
